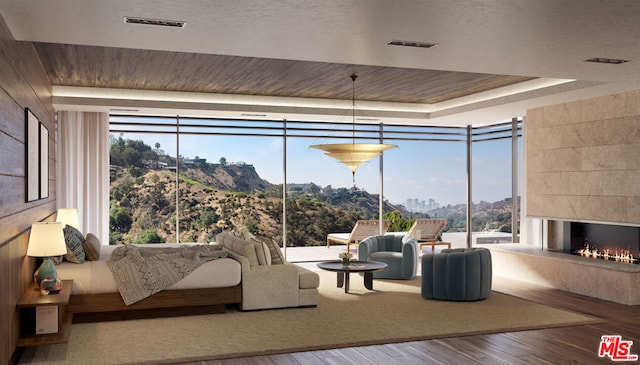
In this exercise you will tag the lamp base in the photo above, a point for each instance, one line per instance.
(50, 286)
(46, 271)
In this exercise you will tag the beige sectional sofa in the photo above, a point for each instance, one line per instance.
(268, 281)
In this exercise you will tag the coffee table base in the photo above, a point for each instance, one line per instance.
(343, 280)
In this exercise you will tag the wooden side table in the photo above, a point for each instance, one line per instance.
(30, 300)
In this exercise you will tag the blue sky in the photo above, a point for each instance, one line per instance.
(423, 170)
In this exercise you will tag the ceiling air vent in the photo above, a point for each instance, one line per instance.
(160, 22)
(395, 42)
(612, 61)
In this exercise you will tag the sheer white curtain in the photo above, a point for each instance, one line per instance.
(83, 169)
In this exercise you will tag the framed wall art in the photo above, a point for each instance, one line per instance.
(44, 162)
(32, 156)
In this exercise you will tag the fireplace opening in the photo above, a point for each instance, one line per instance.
(605, 241)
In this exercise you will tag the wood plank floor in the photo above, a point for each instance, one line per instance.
(568, 345)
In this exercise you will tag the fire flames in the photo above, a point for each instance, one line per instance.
(611, 255)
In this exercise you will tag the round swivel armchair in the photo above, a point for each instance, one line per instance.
(459, 274)
(400, 253)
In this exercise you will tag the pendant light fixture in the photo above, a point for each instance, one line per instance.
(353, 154)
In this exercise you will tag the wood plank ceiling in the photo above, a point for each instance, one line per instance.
(104, 67)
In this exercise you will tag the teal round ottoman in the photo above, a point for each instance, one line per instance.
(459, 274)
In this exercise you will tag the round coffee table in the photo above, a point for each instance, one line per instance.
(366, 267)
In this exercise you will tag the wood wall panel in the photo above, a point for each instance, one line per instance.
(12, 196)
(21, 94)
(20, 222)
(8, 110)
(12, 254)
(23, 84)
(15, 164)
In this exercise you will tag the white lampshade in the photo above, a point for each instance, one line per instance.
(353, 154)
(68, 216)
(46, 240)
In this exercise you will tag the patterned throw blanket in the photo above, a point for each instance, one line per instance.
(140, 272)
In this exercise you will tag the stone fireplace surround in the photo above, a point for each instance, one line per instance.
(556, 266)
(581, 160)
(581, 164)
(601, 279)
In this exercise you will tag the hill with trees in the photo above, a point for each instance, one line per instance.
(486, 216)
(213, 197)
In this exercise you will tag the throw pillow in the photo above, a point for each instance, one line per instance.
(91, 247)
(74, 240)
(277, 258)
(260, 253)
(242, 233)
(239, 246)
(267, 253)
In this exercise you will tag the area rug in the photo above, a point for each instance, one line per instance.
(393, 312)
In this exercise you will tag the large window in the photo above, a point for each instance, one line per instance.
(187, 179)
(426, 175)
(142, 174)
(229, 183)
(493, 181)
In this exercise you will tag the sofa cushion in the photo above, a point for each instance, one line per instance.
(308, 278)
(385, 256)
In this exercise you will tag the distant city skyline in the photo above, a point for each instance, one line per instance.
(415, 205)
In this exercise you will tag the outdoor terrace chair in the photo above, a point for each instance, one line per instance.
(427, 231)
(361, 230)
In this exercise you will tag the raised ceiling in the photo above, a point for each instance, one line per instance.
(492, 59)
(122, 68)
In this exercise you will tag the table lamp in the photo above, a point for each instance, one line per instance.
(46, 240)
(68, 216)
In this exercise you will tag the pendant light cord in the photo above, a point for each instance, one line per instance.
(353, 105)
